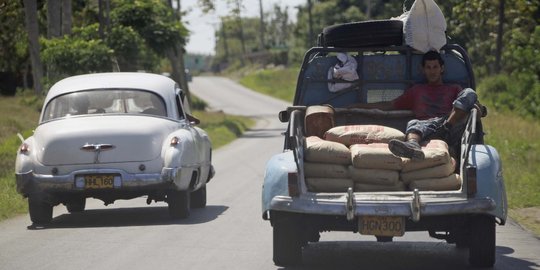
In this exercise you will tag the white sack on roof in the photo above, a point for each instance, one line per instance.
(345, 69)
(424, 26)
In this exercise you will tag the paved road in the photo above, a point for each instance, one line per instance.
(228, 233)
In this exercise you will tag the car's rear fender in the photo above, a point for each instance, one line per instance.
(276, 177)
(489, 177)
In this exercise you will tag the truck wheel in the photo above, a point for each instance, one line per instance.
(76, 205)
(287, 241)
(361, 34)
(40, 211)
(482, 241)
(198, 198)
(179, 203)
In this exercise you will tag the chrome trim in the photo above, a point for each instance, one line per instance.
(337, 206)
(97, 148)
(351, 206)
(415, 205)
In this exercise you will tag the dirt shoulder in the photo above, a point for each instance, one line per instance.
(529, 218)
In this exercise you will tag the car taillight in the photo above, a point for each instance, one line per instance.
(471, 181)
(24, 148)
(294, 189)
(175, 141)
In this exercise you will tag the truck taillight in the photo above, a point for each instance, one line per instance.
(294, 189)
(471, 181)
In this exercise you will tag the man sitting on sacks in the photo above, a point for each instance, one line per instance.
(438, 108)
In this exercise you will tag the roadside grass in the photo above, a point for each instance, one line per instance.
(514, 137)
(278, 82)
(20, 114)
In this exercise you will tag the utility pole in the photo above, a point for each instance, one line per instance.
(498, 51)
(263, 47)
(310, 24)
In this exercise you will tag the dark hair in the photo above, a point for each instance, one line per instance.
(432, 55)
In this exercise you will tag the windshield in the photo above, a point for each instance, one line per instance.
(105, 101)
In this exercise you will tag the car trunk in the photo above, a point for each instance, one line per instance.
(101, 139)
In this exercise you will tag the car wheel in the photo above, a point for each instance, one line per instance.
(76, 205)
(482, 241)
(361, 34)
(41, 211)
(179, 203)
(287, 240)
(198, 198)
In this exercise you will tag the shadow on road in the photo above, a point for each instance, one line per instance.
(139, 216)
(397, 255)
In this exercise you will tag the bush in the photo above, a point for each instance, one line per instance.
(519, 93)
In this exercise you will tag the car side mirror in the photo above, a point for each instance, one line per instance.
(284, 116)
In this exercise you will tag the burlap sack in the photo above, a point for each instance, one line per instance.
(324, 170)
(452, 182)
(362, 134)
(374, 176)
(319, 150)
(435, 152)
(442, 170)
(361, 187)
(374, 156)
(315, 184)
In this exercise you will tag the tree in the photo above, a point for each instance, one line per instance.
(54, 15)
(31, 18)
(67, 15)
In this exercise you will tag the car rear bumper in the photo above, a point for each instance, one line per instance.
(31, 182)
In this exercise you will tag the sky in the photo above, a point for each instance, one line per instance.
(202, 26)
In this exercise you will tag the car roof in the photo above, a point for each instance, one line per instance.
(159, 84)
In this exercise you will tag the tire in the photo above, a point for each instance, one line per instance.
(462, 239)
(179, 203)
(76, 205)
(482, 241)
(41, 211)
(363, 34)
(287, 241)
(198, 198)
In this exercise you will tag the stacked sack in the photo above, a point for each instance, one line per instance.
(435, 172)
(326, 165)
(373, 167)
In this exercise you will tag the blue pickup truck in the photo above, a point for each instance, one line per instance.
(300, 205)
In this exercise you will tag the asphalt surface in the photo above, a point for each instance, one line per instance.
(229, 233)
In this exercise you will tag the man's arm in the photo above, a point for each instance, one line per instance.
(383, 105)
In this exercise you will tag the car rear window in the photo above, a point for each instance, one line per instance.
(105, 101)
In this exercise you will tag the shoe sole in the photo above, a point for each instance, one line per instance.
(399, 148)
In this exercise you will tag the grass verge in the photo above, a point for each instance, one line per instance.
(20, 115)
(279, 82)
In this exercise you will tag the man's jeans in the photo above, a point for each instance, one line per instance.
(428, 128)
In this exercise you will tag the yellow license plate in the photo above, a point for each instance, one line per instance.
(381, 226)
(99, 181)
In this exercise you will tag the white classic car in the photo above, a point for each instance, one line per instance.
(114, 136)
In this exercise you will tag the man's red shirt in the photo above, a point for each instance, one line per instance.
(428, 101)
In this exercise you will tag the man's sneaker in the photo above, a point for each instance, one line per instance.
(410, 149)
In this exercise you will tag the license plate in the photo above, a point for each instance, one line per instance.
(381, 226)
(98, 181)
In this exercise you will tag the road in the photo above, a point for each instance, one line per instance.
(229, 233)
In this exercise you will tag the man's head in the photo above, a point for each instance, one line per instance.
(433, 67)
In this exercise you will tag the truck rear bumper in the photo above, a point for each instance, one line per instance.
(404, 208)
